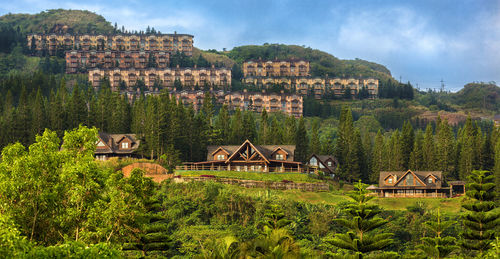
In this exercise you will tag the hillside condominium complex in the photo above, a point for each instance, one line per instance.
(294, 76)
(164, 77)
(53, 42)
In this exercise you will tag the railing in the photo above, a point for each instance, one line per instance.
(192, 167)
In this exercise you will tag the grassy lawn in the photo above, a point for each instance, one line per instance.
(257, 176)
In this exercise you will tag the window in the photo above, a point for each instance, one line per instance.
(389, 180)
(429, 180)
(279, 157)
(100, 144)
(313, 161)
(220, 157)
(125, 145)
(329, 163)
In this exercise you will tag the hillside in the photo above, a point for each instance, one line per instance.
(50, 20)
(322, 63)
(482, 96)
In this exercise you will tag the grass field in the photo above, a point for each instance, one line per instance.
(257, 176)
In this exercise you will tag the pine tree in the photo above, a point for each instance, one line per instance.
(377, 161)
(222, 126)
(487, 154)
(250, 132)
(395, 154)
(275, 133)
(407, 141)
(429, 149)
(445, 145)
(237, 130)
(482, 220)
(289, 132)
(466, 151)
(345, 141)
(417, 156)
(301, 141)
(438, 246)
(38, 114)
(496, 170)
(264, 133)
(361, 221)
(315, 143)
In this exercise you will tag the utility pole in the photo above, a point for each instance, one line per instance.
(442, 85)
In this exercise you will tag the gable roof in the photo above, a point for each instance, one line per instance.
(419, 175)
(112, 143)
(323, 160)
(220, 148)
(251, 145)
(264, 150)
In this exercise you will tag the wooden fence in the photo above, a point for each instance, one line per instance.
(279, 169)
(311, 187)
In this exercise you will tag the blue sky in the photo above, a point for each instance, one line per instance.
(419, 41)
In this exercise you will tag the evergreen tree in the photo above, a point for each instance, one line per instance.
(237, 130)
(429, 149)
(275, 133)
(264, 133)
(38, 114)
(377, 161)
(289, 131)
(487, 154)
(394, 154)
(439, 246)
(361, 221)
(345, 140)
(222, 126)
(417, 156)
(482, 220)
(407, 141)
(445, 148)
(315, 143)
(301, 141)
(496, 170)
(250, 132)
(466, 155)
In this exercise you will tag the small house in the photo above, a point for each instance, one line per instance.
(116, 145)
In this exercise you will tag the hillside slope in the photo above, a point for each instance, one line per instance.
(322, 63)
(50, 20)
(483, 96)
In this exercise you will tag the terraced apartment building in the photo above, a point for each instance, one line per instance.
(291, 104)
(294, 76)
(170, 43)
(164, 77)
(78, 61)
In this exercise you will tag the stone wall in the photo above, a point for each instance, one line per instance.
(311, 187)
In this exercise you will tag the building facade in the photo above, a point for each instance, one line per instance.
(276, 68)
(324, 163)
(248, 157)
(116, 145)
(164, 77)
(171, 43)
(81, 61)
(294, 76)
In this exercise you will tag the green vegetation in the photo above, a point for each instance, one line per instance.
(257, 176)
(78, 21)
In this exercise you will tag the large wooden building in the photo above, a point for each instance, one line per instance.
(250, 157)
(54, 42)
(412, 184)
(116, 145)
(324, 163)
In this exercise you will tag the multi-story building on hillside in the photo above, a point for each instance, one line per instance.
(318, 86)
(275, 68)
(82, 60)
(171, 43)
(293, 75)
(164, 77)
(290, 104)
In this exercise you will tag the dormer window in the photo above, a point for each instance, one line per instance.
(100, 144)
(279, 157)
(124, 145)
(389, 180)
(220, 157)
(429, 180)
(329, 163)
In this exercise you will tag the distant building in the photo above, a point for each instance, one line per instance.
(250, 157)
(170, 43)
(293, 75)
(82, 61)
(116, 145)
(326, 164)
(497, 120)
(164, 77)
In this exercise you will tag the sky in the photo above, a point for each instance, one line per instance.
(424, 42)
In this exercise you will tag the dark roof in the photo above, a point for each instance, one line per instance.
(421, 175)
(112, 143)
(323, 158)
(497, 117)
(265, 150)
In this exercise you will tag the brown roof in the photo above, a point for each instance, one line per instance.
(421, 175)
(112, 142)
(323, 158)
(265, 150)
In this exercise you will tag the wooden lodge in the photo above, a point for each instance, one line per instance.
(414, 184)
(249, 157)
(327, 164)
(116, 145)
